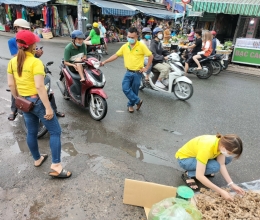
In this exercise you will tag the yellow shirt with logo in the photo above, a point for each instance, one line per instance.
(32, 66)
(134, 57)
(203, 148)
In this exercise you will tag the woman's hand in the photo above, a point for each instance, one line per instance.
(237, 189)
(226, 195)
(49, 114)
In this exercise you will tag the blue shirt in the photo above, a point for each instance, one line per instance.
(214, 45)
(13, 46)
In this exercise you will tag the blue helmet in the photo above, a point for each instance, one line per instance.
(77, 34)
(156, 30)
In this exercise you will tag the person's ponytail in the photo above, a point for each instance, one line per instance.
(21, 56)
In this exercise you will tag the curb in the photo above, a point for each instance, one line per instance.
(242, 71)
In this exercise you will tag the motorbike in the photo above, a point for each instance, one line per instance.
(179, 84)
(95, 51)
(88, 94)
(217, 63)
(206, 70)
(42, 130)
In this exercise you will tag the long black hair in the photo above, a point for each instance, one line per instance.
(97, 30)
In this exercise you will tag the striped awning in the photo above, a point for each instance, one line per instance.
(29, 3)
(113, 8)
(242, 7)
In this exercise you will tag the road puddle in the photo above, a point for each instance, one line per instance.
(140, 152)
(68, 149)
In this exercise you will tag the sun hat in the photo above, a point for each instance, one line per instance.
(27, 37)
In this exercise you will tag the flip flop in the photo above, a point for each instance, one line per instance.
(62, 174)
(59, 114)
(185, 177)
(45, 156)
(131, 111)
(12, 116)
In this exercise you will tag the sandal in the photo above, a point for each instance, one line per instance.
(130, 109)
(138, 106)
(12, 116)
(59, 114)
(45, 156)
(186, 178)
(63, 174)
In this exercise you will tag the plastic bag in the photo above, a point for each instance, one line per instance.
(174, 209)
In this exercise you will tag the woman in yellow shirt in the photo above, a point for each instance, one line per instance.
(26, 79)
(209, 154)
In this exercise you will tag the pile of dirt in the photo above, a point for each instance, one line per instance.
(213, 206)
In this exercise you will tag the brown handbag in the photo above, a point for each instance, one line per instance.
(23, 104)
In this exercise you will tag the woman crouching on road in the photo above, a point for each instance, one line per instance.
(206, 155)
(26, 79)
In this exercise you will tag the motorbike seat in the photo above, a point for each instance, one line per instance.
(74, 74)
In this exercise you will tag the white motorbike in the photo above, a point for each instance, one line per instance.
(179, 84)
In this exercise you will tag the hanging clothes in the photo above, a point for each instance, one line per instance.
(49, 17)
(9, 13)
(2, 15)
(24, 14)
(18, 13)
(44, 14)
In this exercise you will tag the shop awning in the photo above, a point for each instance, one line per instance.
(113, 8)
(164, 14)
(28, 3)
(242, 7)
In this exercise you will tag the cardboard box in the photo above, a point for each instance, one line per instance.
(145, 194)
(47, 35)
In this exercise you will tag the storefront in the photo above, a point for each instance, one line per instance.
(246, 34)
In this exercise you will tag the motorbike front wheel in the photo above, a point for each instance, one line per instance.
(99, 110)
(216, 67)
(42, 130)
(183, 90)
(210, 71)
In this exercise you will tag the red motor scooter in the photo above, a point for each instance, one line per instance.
(88, 94)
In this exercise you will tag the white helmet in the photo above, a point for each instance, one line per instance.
(21, 23)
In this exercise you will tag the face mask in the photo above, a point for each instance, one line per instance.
(224, 152)
(131, 41)
(160, 36)
(147, 36)
(79, 45)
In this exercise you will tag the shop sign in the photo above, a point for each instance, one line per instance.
(248, 43)
(195, 14)
(247, 56)
(67, 2)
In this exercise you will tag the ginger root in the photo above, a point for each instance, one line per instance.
(213, 206)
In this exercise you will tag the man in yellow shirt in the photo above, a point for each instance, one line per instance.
(133, 53)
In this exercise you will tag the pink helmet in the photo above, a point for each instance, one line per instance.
(214, 33)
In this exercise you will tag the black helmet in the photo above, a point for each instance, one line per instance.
(89, 26)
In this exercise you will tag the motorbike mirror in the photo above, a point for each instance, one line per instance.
(49, 63)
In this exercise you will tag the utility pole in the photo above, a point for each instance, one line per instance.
(80, 15)
(173, 5)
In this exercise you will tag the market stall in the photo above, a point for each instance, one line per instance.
(247, 51)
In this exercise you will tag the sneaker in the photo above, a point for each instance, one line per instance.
(159, 84)
(165, 82)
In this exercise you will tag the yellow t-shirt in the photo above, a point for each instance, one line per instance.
(203, 148)
(32, 66)
(134, 57)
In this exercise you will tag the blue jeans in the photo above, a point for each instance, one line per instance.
(130, 86)
(190, 164)
(53, 126)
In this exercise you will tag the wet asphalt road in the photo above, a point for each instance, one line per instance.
(138, 146)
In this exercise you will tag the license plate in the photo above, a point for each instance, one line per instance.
(99, 51)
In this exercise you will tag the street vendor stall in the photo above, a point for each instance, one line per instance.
(247, 51)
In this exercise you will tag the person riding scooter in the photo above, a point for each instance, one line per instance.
(159, 56)
(76, 51)
(196, 47)
(146, 39)
(89, 28)
(94, 35)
